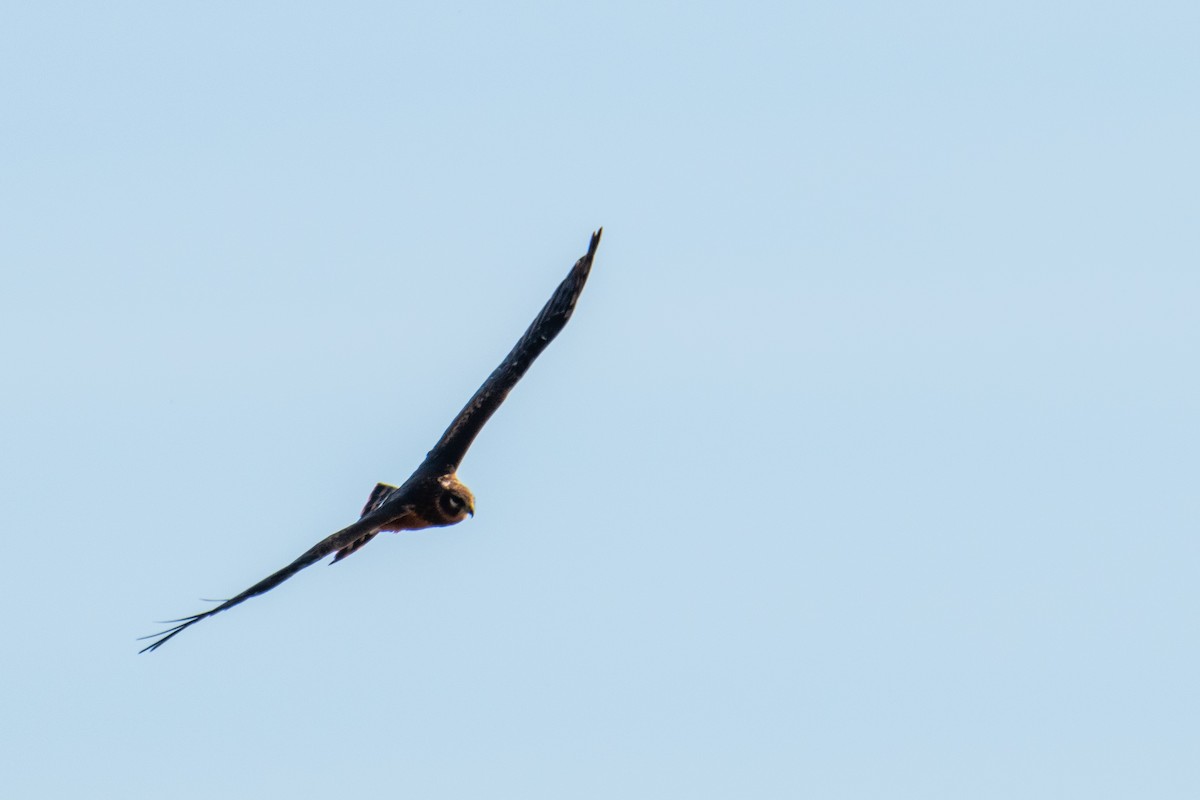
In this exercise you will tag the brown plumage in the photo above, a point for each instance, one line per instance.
(433, 495)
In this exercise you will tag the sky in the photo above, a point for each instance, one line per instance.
(866, 467)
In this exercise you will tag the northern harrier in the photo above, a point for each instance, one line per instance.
(432, 496)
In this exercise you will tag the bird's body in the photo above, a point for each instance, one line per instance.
(432, 496)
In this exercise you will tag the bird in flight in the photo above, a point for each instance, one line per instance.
(432, 496)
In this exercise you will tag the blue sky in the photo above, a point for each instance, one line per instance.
(866, 468)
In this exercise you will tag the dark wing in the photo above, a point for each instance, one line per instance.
(331, 544)
(446, 455)
(381, 492)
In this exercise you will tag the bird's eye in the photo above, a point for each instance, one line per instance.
(451, 504)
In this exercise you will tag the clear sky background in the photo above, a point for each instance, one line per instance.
(866, 468)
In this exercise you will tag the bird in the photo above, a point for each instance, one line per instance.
(433, 496)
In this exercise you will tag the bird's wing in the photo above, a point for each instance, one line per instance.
(347, 537)
(446, 455)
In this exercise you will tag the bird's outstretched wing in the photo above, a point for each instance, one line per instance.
(446, 455)
(331, 544)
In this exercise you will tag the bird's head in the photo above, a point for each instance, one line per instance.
(455, 501)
